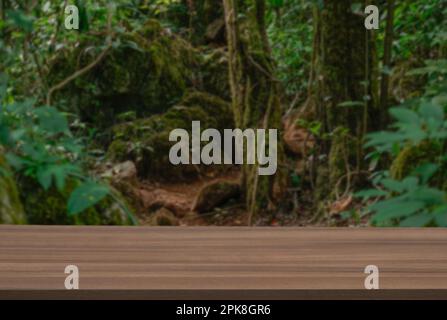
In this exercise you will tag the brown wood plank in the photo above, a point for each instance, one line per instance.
(213, 258)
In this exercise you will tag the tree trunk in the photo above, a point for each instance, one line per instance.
(347, 92)
(387, 52)
(11, 209)
(254, 90)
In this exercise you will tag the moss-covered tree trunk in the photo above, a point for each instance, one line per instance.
(205, 19)
(254, 89)
(11, 209)
(347, 91)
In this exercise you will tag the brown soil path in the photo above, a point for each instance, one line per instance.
(179, 197)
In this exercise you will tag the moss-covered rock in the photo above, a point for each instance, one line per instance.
(11, 209)
(50, 208)
(412, 157)
(147, 73)
(146, 141)
(214, 72)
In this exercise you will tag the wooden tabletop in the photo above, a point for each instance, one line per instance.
(216, 259)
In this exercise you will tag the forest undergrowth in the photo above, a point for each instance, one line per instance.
(86, 115)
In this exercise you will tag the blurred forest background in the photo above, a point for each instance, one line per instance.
(85, 114)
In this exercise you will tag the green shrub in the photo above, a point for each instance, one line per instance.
(40, 146)
(413, 192)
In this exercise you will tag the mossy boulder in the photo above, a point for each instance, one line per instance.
(146, 141)
(50, 207)
(412, 157)
(214, 75)
(148, 72)
(11, 209)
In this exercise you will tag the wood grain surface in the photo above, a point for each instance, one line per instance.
(214, 258)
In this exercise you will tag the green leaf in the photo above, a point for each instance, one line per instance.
(410, 183)
(14, 161)
(51, 120)
(276, 3)
(440, 215)
(411, 132)
(58, 173)
(395, 208)
(429, 110)
(4, 173)
(86, 195)
(384, 138)
(296, 180)
(21, 20)
(429, 196)
(3, 85)
(356, 8)
(371, 193)
(4, 134)
(418, 220)
(405, 115)
(44, 177)
(393, 185)
(440, 100)
(425, 171)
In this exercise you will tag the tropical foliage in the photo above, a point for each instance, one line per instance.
(85, 114)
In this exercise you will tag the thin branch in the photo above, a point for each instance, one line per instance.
(88, 67)
(77, 74)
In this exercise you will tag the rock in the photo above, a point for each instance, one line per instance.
(122, 171)
(123, 177)
(163, 217)
(214, 72)
(11, 209)
(146, 141)
(215, 194)
(148, 73)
